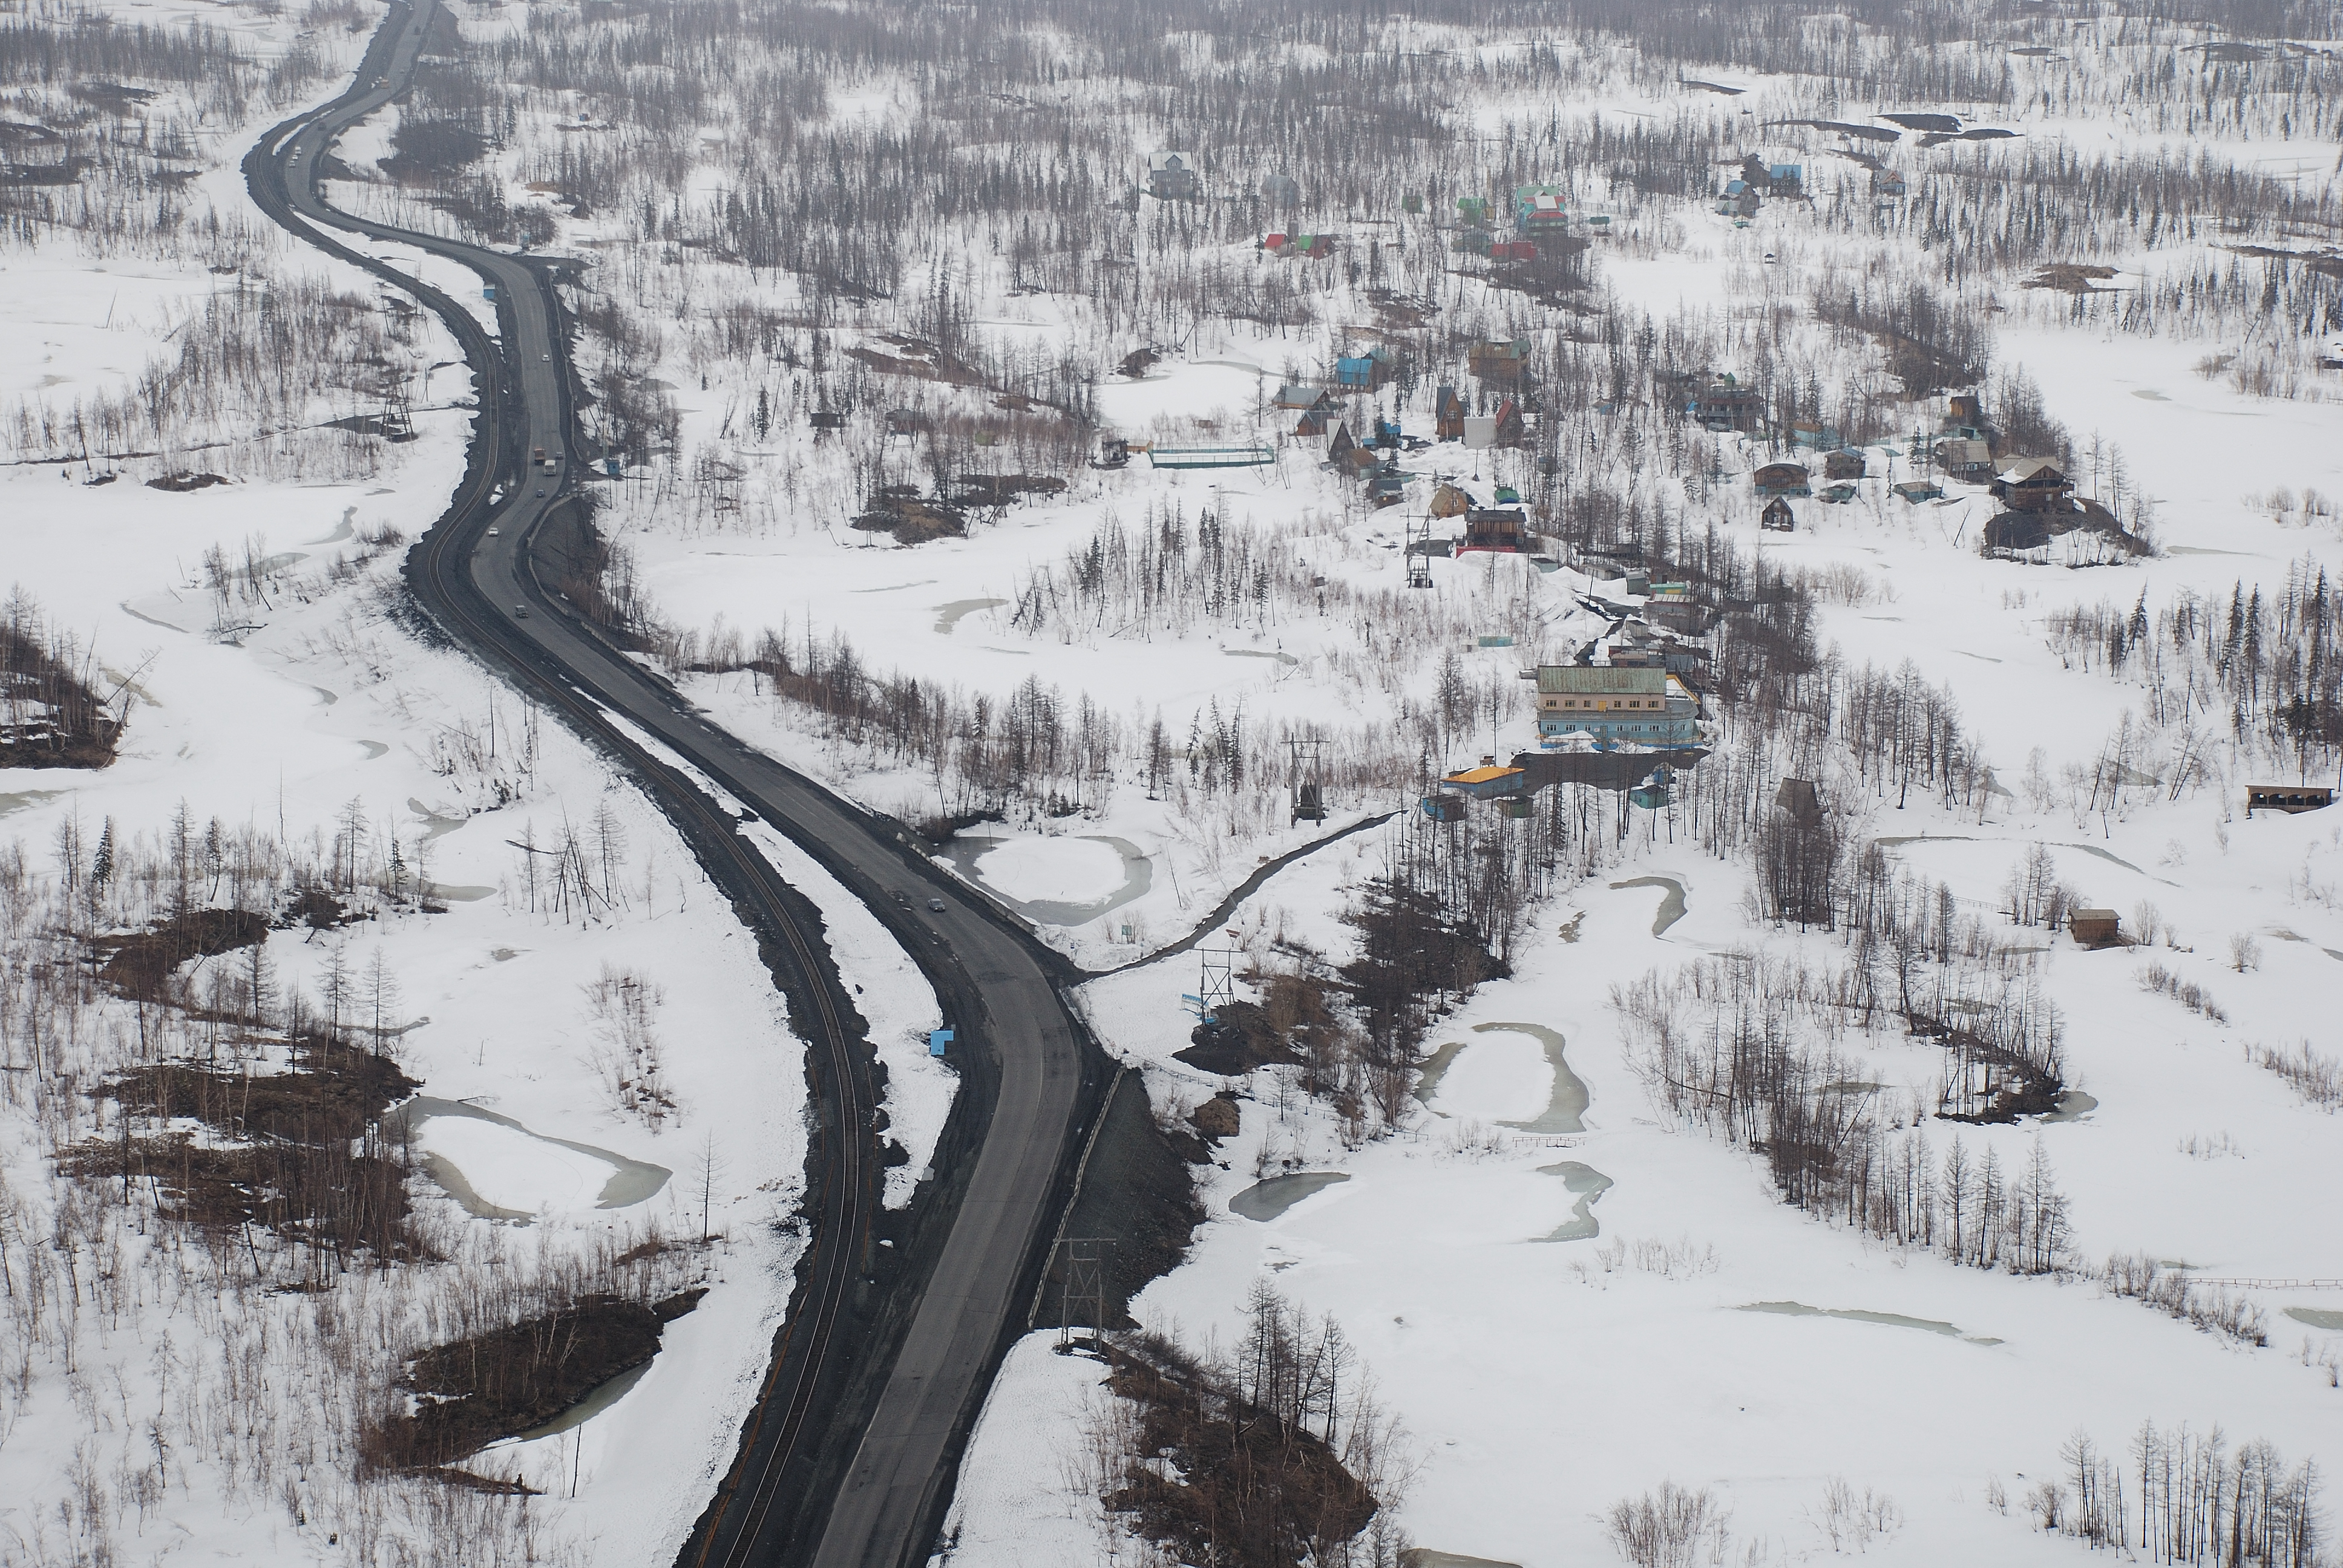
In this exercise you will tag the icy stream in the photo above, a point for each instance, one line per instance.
(1671, 907)
(1589, 1184)
(1886, 1320)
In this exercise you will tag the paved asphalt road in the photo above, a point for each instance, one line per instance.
(483, 591)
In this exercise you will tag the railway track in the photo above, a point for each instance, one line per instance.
(884, 1359)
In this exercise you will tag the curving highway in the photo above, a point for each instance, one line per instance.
(879, 1373)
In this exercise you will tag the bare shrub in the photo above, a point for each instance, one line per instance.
(2317, 1079)
(1671, 1528)
(627, 1049)
(1851, 1523)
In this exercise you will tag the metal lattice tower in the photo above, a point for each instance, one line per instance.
(1419, 562)
(1309, 802)
(1084, 1290)
(1215, 988)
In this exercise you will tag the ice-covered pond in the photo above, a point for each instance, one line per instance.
(1055, 880)
(499, 1170)
(1524, 1083)
(1265, 1200)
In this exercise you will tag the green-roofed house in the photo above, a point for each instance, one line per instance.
(1644, 707)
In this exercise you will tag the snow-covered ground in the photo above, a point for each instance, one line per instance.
(1561, 1318)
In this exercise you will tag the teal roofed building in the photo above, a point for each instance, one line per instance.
(1540, 208)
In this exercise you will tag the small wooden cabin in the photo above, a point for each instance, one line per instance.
(2095, 929)
(1497, 529)
(1782, 479)
(1778, 516)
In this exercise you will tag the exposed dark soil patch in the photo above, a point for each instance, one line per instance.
(139, 964)
(1943, 125)
(2330, 262)
(999, 489)
(112, 94)
(1846, 128)
(1138, 1190)
(296, 1152)
(911, 520)
(474, 1392)
(66, 173)
(179, 484)
(2009, 534)
(2070, 276)
(50, 715)
(390, 429)
(1253, 1492)
(1412, 952)
(1714, 87)
(333, 1093)
(1238, 1040)
(315, 908)
(341, 1203)
(919, 359)
(1399, 314)
(424, 151)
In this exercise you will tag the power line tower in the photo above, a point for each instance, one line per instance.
(1084, 1289)
(1308, 798)
(1418, 554)
(1215, 987)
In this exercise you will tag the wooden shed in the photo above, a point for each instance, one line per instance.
(2287, 797)
(1778, 516)
(2095, 929)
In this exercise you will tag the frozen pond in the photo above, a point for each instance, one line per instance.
(947, 615)
(1671, 907)
(1056, 881)
(1565, 1104)
(1589, 1184)
(10, 804)
(2317, 1318)
(2073, 1106)
(604, 1396)
(1888, 1319)
(1265, 1200)
(1528, 1080)
(499, 1170)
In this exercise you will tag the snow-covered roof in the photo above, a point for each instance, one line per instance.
(1591, 680)
(2024, 468)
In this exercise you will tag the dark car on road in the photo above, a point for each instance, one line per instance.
(936, 905)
